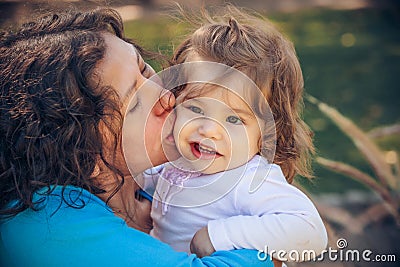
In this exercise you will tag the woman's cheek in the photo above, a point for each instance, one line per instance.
(153, 141)
(133, 144)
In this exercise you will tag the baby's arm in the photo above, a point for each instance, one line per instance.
(276, 217)
(201, 245)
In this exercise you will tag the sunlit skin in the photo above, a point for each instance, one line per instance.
(217, 131)
(147, 106)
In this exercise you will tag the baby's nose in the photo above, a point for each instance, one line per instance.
(211, 129)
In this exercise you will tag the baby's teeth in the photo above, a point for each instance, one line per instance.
(205, 150)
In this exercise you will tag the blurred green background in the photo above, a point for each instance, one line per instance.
(350, 60)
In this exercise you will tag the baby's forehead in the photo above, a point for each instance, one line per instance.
(202, 78)
(210, 92)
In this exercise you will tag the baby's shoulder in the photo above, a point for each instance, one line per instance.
(259, 163)
(259, 170)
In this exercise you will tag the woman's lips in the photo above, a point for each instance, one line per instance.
(203, 152)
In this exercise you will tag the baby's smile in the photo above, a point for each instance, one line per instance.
(202, 151)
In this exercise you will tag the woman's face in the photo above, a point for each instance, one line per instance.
(145, 103)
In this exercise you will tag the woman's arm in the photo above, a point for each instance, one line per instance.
(103, 240)
(92, 235)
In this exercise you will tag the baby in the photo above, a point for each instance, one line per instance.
(242, 141)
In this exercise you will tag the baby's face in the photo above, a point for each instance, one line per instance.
(216, 131)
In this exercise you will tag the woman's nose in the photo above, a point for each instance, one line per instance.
(211, 129)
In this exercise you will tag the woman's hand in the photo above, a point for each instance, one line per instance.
(201, 244)
(143, 221)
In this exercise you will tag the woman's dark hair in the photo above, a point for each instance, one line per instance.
(50, 108)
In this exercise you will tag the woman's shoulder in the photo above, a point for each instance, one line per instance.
(63, 197)
(82, 227)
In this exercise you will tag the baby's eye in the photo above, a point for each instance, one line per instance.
(234, 120)
(196, 110)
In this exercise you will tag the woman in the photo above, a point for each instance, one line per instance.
(67, 197)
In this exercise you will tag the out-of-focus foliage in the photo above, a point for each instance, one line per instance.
(386, 179)
(350, 60)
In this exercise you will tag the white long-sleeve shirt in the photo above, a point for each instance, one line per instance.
(251, 206)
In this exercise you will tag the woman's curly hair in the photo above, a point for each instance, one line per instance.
(50, 110)
(251, 44)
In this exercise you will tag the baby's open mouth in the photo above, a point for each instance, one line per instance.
(203, 152)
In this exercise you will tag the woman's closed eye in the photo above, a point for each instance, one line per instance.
(135, 103)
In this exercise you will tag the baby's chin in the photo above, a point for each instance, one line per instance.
(214, 168)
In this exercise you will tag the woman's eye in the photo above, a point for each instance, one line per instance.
(134, 105)
(234, 120)
(196, 110)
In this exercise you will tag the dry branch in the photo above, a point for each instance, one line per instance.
(365, 145)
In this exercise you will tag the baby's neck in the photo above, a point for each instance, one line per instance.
(185, 166)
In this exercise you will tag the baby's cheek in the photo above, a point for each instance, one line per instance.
(242, 151)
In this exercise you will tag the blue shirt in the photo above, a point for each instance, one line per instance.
(83, 231)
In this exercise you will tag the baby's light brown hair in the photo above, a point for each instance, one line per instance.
(251, 44)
